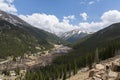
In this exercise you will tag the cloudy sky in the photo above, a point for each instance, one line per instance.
(58, 16)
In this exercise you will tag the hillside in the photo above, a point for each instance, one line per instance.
(99, 39)
(99, 71)
(18, 37)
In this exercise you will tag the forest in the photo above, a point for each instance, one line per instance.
(68, 65)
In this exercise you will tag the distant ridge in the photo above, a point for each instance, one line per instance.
(74, 35)
(99, 39)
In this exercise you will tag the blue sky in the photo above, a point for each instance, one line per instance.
(62, 8)
(64, 15)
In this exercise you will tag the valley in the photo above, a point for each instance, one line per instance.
(51, 45)
(31, 61)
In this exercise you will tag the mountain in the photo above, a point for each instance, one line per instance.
(99, 39)
(85, 56)
(18, 37)
(74, 35)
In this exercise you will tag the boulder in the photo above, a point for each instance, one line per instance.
(91, 73)
(115, 67)
(96, 78)
(89, 78)
(12, 73)
(84, 69)
(112, 74)
(99, 67)
(101, 72)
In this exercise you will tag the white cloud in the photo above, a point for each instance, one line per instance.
(93, 26)
(91, 2)
(68, 18)
(49, 23)
(52, 24)
(88, 2)
(10, 1)
(6, 5)
(111, 16)
(108, 18)
(84, 16)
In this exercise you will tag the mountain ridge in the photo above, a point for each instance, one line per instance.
(19, 37)
(99, 39)
(74, 35)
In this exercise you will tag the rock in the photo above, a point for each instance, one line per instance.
(84, 69)
(104, 77)
(96, 78)
(12, 73)
(91, 73)
(99, 67)
(112, 74)
(101, 72)
(90, 78)
(115, 67)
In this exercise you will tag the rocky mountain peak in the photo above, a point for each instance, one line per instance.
(74, 35)
(11, 18)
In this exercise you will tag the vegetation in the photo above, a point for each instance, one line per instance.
(6, 72)
(67, 65)
(99, 39)
(17, 71)
(19, 39)
(15, 40)
(93, 49)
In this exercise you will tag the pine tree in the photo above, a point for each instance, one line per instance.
(75, 68)
(96, 56)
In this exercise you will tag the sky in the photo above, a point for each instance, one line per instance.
(59, 16)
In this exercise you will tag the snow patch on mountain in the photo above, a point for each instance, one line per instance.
(74, 35)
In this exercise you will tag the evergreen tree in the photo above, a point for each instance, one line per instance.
(96, 56)
(75, 68)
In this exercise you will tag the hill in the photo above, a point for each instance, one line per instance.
(99, 39)
(18, 37)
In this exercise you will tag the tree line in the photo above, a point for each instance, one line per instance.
(69, 64)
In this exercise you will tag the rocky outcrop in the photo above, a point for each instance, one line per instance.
(106, 71)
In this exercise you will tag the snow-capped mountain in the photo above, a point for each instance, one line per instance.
(74, 35)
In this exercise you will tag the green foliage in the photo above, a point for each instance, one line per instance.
(6, 72)
(99, 39)
(15, 40)
(62, 68)
(17, 71)
(14, 59)
(67, 65)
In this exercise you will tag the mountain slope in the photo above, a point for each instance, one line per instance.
(74, 35)
(18, 37)
(84, 55)
(99, 39)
